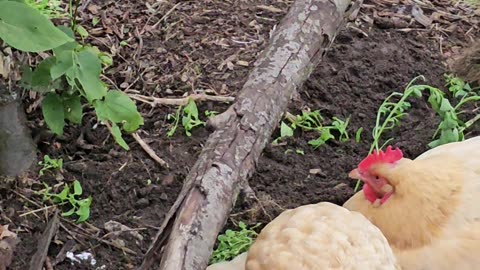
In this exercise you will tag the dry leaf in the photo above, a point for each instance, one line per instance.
(8, 241)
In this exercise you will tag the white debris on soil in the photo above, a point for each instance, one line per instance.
(81, 257)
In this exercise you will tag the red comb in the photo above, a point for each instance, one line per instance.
(389, 156)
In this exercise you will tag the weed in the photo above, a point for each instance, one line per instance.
(71, 76)
(176, 119)
(392, 112)
(312, 121)
(233, 243)
(49, 8)
(79, 207)
(50, 164)
(451, 128)
(358, 134)
(189, 116)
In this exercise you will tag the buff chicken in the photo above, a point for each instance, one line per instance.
(316, 237)
(427, 208)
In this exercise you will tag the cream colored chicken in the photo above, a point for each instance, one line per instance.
(320, 236)
(427, 208)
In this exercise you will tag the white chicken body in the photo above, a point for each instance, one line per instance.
(318, 237)
(459, 243)
(432, 221)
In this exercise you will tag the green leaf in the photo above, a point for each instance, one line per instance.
(81, 31)
(77, 188)
(62, 196)
(285, 130)
(358, 134)
(105, 59)
(41, 75)
(88, 72)
(117, 135)
(26, 29)
(72, 108)
(69, 212)
(63, 64)
(119, 108)
(27, 74)
(445, 105)
(53, 112)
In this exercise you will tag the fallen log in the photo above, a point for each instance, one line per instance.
(188, 233)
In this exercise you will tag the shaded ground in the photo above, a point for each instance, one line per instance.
(209, 47)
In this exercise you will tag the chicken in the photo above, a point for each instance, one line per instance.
(316, 237)
(427, 208)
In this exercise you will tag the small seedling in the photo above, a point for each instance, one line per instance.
(79, 207)
(312, 121)
(189, 116)
(451, 128)
(390, 113)
(50, 164)
(358, 135)
(176, 119)
(233, 243)
(285, 131)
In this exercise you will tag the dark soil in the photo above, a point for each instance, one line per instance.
(185, 54)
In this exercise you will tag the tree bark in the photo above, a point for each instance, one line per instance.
(17, 150)
(189, 231)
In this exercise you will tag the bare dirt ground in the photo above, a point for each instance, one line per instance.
(172, 48)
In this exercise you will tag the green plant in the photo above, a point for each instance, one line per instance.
(451, 127)
(50, 8)
(189, 116)
(79, 207)
(312, 121)
(50, 164)
(358, 134)
(233, 243)
(71, 76)
(390, 113)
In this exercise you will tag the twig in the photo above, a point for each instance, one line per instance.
(153, 101)
(38, 259)
(149, 150)
(88, 235)
(37, 210)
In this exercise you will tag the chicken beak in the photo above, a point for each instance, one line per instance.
(355, 174)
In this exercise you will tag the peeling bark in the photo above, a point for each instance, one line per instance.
(188, 233)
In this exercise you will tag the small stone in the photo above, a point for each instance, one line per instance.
(339, 186)
(164, 196)
(317, 172)
(143, 202)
